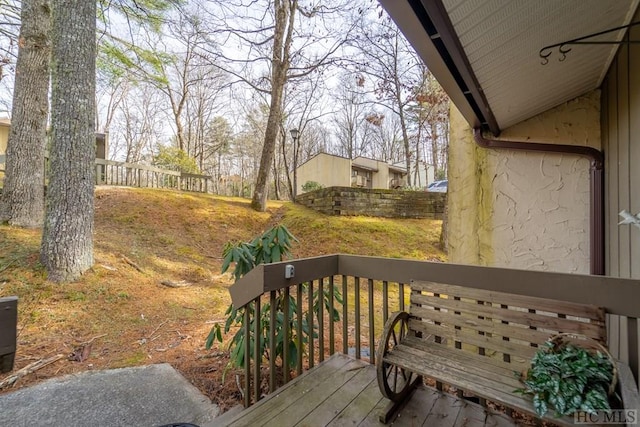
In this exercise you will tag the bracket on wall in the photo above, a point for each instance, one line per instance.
(546, 51)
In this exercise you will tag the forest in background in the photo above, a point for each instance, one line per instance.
(205, 78)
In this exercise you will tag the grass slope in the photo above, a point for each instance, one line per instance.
(122, 315)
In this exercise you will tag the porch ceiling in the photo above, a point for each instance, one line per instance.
(485, 53)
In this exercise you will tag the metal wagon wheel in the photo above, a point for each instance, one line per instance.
(394, 382)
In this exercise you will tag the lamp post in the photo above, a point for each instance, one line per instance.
(295, 134)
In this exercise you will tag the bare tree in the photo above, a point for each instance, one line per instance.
(388, 62)
(283, 40)
(429, 114)
(138, 123)
(349, 119)
(385, 137)
(22, 200)
(304, 104)
(9, 30)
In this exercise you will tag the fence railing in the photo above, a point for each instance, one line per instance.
(109, 172)
(371, 288)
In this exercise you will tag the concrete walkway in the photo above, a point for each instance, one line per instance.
(151, 395)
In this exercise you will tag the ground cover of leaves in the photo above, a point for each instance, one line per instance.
(156, 289)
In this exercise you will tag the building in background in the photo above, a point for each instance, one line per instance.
(335, 171)
(5, 125)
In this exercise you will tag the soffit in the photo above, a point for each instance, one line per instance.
(485, 53)
(502, 39)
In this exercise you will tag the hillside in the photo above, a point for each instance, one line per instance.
(121, 314)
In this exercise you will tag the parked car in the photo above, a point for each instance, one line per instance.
(438, 186)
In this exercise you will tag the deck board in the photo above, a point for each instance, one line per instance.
(343, 391)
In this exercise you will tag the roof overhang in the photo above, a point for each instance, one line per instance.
(399, 169)
(485, 53)
(364, 168)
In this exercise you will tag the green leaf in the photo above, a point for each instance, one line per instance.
(539, 405)
(213, 334)
(568, 378)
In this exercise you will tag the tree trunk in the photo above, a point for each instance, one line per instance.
(283, 32)
(434, 151)
(67, 241)
(405, 140)
(22, 201)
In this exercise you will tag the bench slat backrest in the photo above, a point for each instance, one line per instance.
(506, 326)
(8, 332)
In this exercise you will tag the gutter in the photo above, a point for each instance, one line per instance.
(596, 196)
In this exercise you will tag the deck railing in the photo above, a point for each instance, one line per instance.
(372, 288)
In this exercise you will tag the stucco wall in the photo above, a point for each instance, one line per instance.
(380, 177)
(325, 169)
(4, 137)
(516, 209)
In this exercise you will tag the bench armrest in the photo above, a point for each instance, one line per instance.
(628, 387)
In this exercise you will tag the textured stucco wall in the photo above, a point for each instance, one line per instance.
(516, 209)
(327, 170)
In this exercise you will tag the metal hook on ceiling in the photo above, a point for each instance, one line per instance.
(586, 40)
(563, 52)
(545, 57)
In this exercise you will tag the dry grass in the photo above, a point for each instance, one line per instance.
(132, 318)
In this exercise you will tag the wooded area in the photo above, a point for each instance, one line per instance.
(214, 87)
(198, 75)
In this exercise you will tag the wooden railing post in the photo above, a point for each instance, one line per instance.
(299, 331)
(257, 354)
(310, 323)
(272, 341)
(321, 320)
(331, 321)
(247, 356)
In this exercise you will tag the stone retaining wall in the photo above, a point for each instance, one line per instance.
(350, 201)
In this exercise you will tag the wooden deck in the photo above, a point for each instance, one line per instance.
(344, 392)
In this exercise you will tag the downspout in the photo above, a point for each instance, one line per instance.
(596, 197)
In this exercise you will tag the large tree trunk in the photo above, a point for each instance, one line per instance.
(67, 241)
(283, 31)
(22, 202)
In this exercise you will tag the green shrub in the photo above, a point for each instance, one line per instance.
(175, 159)
(311, 186)
(270, 247)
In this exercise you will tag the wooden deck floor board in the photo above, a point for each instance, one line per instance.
(273, 404)
(343, 397)
(318, 394)
(344, 392)
(444, 412)
(360, 408)
(418, 408)
(470, 415)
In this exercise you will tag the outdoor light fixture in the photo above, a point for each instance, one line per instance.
(295, 133)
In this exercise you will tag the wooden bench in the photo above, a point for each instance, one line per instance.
(8, 330)
(477, 341)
